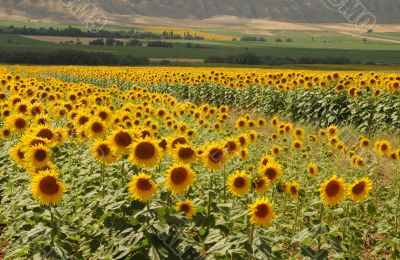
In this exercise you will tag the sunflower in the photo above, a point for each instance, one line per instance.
(364, 143)
(120, 140)
(232, 146)
(5, 133)
(185, 154)
(261, 184)
(293, 189)
(272, 171)
(37, 155)
(261, 212)
(179, 177)
(312, 169)
(382, 147)
(102, 152)
(238, 183)
(332, 191)
(17, 155)
(332, 130)
(187, 207)
(276, 150)
(298, 133)
(17, 123)
(265, 160)
(244, 154)
(43, 132)
(145, 153)
(215, 156)
(241, 123)
(360, 189)
(96, 127)
(142, 187)
(297, 145)
(47, 188)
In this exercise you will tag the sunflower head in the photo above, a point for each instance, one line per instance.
(215, 156)
(332, 191)
(261, 212)
(272, 171)
(144, 153)
(37, 155)
(142, 187)
(261, 184)
(293, 189)
(359, 190)
(102, 152)
(179, 178)
(312, 169)
(187, 207)
(47, 188)
(238, 183)
(185, 154)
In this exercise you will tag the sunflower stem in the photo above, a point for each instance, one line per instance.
(297, 216)
(251, 239)
(53, 231)
(209, 196)
(396, 224)
(321, 213)
(102, 180)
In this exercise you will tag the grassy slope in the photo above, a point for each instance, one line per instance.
(355, 50)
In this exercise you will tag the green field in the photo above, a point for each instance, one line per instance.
(382, 48)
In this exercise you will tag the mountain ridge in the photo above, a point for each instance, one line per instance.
(301, 11)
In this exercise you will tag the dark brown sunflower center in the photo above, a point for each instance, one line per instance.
(241, 124)
(144, 184)
(145, 151)
(262, 210)
(215, 155)
(48, 185)
(239, 182)
(6, 132)
(22, 108)
(332, 188)
(123, 139)
(103, 150)
(21, 154)
(83, 120)
(293, 190)
(163, 144)
(242, 140)
(36, 142)
(45, 133)
(311, 170)
(180, 140)
(384, 147)
(297, 145)
(97, 127)
(270, 173)
(103, 115)
(40, 155)
(184, 207)
(20, 123)
(358, 188)
(260, 183)
(186, 153)
(231, 146)
(179, 175)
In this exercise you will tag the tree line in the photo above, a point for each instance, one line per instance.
(76, 32)
(70, 57)
(253, 59)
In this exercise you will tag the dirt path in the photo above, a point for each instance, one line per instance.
(371, 38)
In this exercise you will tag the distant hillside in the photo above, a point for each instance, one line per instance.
(307, 11)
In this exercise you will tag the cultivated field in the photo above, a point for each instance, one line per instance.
(199, 163)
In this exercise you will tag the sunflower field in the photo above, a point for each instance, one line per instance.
(198, 163)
